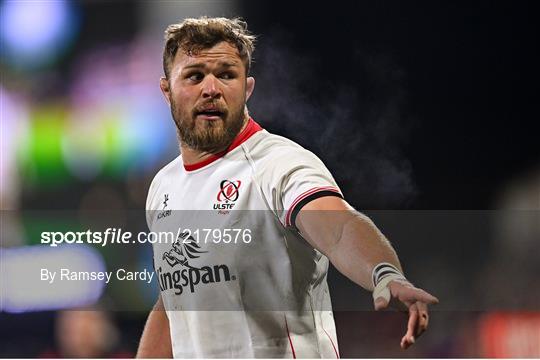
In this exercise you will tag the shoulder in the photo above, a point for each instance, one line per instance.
(169, 170)
(162, 179)
(266, 140)
(274, 152)
(271, 148)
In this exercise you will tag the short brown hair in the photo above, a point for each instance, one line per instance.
(193, 35)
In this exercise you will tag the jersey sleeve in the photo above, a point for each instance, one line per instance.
(292, 179)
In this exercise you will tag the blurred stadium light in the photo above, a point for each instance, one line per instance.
(510, 335)
(35, 294)
(34, 33)
(110, 118)
(14, 123)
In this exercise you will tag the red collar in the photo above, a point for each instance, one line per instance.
(251, 128)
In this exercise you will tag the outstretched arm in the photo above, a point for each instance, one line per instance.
(355, 246)
(156, 338)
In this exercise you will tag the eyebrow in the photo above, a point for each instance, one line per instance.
(203, 65)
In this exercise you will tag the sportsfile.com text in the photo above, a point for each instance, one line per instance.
(119, 236)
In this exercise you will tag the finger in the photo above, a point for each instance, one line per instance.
(423, 318)
(406, 342)
(381, 298)
(428, 298)
(414, 294)
(409, 339)
(380, 303)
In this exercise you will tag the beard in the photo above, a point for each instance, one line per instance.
(207, 136)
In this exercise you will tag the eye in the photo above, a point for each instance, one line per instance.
(227, 75)
(195, 76)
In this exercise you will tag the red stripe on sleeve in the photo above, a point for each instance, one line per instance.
(303, 196)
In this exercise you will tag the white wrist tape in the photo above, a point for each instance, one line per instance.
(382, 275)
(382, 270)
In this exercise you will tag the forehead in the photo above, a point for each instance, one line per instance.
(222, 52)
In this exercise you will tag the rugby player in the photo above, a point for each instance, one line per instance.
(229, 165)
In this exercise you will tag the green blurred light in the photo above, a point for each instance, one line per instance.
(123, 151)
(55, 151)
(41, 153)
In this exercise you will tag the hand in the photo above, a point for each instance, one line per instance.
(404, 296)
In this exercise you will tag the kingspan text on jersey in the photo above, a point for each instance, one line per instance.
(192, 277)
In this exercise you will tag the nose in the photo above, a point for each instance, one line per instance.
(210, 87)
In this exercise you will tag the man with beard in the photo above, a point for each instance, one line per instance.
(265, 295)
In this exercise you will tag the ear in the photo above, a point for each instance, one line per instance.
(250, 85)
(165, 89)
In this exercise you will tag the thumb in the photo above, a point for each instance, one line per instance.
(381, 297)
(380, 303)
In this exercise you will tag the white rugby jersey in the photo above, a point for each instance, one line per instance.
(238, 280)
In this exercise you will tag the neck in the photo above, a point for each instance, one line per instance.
(191, 156)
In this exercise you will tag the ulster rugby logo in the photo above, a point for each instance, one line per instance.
(228, 193)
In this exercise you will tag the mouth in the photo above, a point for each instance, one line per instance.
(210, 114)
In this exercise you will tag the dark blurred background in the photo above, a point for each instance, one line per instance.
(425, 112)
